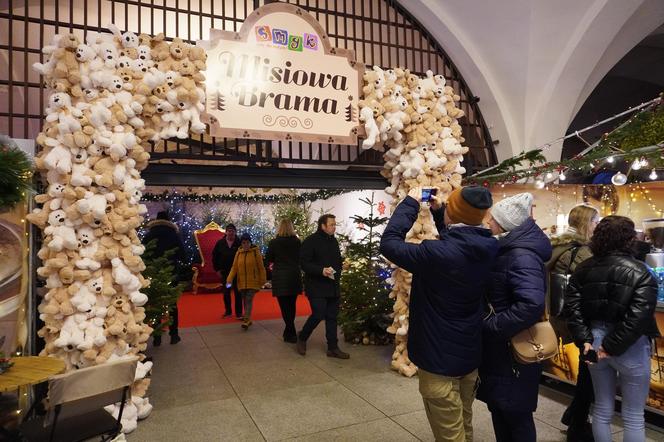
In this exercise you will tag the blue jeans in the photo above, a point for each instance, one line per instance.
(632, 369)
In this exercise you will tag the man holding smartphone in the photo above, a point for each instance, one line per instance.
(450, 279)
(320, 259)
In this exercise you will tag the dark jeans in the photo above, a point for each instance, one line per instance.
(287, 306)
(227, 296)
(513, 426)
(584, 396)
(323, 309)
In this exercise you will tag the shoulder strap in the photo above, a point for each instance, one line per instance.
(575, 249)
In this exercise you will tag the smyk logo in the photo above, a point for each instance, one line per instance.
(281, 37)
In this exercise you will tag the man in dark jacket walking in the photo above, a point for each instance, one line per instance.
(450, 278)
(167, 238)
(223, 255)
(320, 259)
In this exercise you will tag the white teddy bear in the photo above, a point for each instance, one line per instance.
(58, 157)
(71, 333)
(373, 133)
(93, 334)
(63, 234)
(84, 299)
(129, 415)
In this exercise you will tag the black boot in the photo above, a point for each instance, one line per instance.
(175, 339)
(582, 432)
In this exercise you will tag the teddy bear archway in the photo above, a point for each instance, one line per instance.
(110, 95)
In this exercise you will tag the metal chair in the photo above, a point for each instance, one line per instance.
(75, 404)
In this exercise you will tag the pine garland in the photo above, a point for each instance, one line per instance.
(640, 138)
(15, 173)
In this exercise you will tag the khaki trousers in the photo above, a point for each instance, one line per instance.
(448, 402)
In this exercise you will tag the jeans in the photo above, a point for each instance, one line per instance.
(632, 370)
(513, 426)
(448, 402)
(323, 309)
(287, 306)
(227, 297)
(248, 301)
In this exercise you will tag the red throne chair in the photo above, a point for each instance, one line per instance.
(204, 274)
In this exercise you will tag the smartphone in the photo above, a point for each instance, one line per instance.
(428, 193)
(228, 285)
(591, 356)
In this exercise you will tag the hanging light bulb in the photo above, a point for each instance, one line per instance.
(636, 165)
(653, 175)
(592, 165)
(539, 184)
(562, 176)
(610, 160)
(549, 175)
(644, 162)
(619, 179)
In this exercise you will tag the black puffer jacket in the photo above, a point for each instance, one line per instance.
(617, 289)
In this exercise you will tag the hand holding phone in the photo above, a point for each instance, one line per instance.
(428, 193)
(590, 356)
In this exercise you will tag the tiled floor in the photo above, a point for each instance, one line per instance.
(224, 384)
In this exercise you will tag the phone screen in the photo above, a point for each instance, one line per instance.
(428, 193)
(590, 357)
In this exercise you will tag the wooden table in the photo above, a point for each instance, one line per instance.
(29, 370)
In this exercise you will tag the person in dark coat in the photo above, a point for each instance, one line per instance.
(517, 298)
(320, 259)
(284, 252)
(610, 306)
(450, 279)
(569, 250)
(167, 238)
(223, 255)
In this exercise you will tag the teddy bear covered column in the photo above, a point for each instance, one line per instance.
(109, 97)
(416, 118)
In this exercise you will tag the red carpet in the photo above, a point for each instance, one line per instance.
(206, 309)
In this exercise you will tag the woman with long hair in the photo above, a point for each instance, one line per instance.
(284, 252)
(610, 306)
(569, 250)
(250, 271)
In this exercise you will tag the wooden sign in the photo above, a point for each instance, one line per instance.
(278, 78)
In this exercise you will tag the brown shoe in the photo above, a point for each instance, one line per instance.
(301, 347)
(337, 353)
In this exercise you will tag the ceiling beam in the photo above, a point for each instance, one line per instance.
(172, 175)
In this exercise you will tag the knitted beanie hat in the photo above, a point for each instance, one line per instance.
(511, 212)
(469, 205)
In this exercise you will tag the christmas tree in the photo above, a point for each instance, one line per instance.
(164, 290)
(365, 305)
(15, 173)
(300, 215)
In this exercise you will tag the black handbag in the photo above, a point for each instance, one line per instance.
(558, 283)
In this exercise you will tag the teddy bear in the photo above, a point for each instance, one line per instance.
(66, 65)
(160, 49)
(373, 133)
(71, 333)
(129, 415)
(63, 234)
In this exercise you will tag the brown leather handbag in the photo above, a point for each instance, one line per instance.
(535, 344)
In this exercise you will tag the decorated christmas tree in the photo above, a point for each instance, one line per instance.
(365, 305)
(300, 215)
(164, 290)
